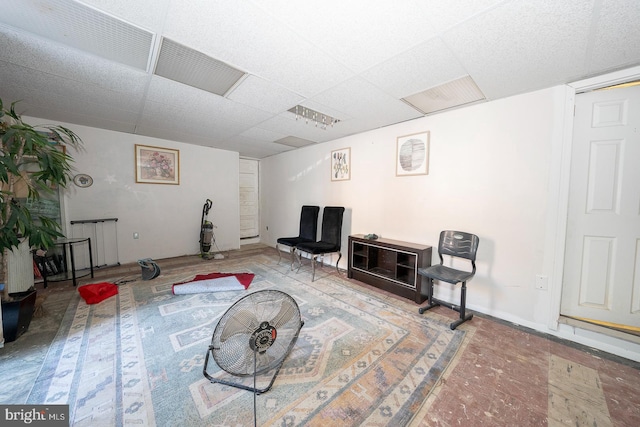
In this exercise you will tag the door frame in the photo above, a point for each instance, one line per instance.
(560, 174)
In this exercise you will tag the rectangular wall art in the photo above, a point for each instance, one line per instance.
(412, 154)
(155, 165)
(341, 164)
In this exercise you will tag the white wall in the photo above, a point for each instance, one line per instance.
(167, 217)
(490, 174)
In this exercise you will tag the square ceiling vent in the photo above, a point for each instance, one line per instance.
(188, 66)
(81, 27)
(293, 141)
(449, 95)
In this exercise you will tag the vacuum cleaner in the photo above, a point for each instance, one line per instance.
(206, 234)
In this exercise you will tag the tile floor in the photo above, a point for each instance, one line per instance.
(504, 375)
(509, 376)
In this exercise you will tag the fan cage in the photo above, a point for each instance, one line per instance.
(261, 326)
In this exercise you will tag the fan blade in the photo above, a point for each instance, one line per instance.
(285, 314)
(241, 322)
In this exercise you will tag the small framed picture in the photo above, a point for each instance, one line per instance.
(341, 164)
(412, 154)
(156, 165)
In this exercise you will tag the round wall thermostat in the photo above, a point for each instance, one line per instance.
(82, 180)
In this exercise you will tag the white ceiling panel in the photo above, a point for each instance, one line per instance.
(149, 14)
(445, 14)
(201, 104)
(264, 95)
(505, 54)
(60, 112)
(359, 98)
(59, 88)
(243, 36)
(422, 67)
(351, 60)
(351, 31)
(259, 134)
(616, 38)
(164, 116)
(31, 51)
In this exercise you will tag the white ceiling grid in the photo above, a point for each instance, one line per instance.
(91, 62)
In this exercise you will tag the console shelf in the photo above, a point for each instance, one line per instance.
(391, 265)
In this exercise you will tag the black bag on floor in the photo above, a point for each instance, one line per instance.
(150, 270)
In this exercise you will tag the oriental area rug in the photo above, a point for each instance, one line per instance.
(137, 358)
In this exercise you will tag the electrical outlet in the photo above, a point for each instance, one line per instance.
(542, 282)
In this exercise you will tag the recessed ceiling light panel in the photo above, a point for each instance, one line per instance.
(452, 94)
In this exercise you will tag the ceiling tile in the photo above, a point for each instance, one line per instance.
(149, 14)
(352, 33)
(243, 36)
(264, 95)
(444, 14)
(359, 98)
(421, 67)
(52, 58)
(616, 39)
(347, 60)
(201, 105)
(522, 46)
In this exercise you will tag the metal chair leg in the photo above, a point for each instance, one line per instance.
(291, 252)
(314, 259)
(432, 302)
(297, 255)
(462, 309)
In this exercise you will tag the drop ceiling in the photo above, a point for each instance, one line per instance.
(225, 74)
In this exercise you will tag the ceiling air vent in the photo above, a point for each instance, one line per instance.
(452, 94)
(185, 65)
(293, 141)
(81, 27)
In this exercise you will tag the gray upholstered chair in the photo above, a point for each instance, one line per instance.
(453, 244)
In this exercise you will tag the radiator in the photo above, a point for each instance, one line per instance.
(104, 240)
(20, 268)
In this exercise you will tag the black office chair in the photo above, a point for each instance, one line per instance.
(330, 238)
(453, 244)
(308, 231)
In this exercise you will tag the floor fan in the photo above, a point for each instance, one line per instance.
(253, 337)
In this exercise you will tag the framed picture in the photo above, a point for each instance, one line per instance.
(341, 164)
(412, 154)
(155, 165)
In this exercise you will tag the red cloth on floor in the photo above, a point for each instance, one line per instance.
(97, 292)
(244, 278)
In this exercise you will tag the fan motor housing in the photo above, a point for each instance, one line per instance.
(263, 337)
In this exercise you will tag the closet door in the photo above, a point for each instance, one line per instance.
(249, 199)
(602, 261)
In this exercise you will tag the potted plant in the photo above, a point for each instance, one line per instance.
(32, 164)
